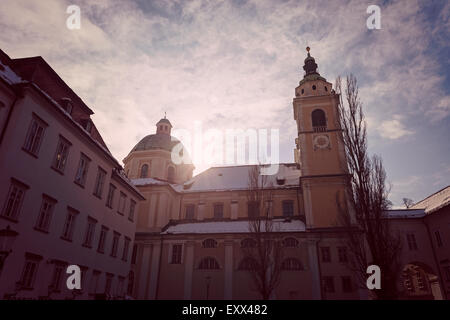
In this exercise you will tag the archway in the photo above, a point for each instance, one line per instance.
(418, 281)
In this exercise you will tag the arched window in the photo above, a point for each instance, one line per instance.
(319, 121)
(170, 174)
(247, 263)
(290, 242)
(291, 264)
(144, 171)
(248, 243)
(208, 263)
(209, 243)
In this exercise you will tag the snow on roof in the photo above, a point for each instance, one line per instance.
(236, 178)
(435, 201)
(8, 75)
(148, 181)
(237, 226)
(405, 213)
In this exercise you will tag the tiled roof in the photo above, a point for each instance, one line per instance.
(435, 201)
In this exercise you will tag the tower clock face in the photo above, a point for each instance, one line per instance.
(321, 141)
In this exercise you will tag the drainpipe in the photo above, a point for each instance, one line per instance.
(441, 282)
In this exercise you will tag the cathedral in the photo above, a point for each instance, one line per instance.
(192, 231)
(152, 230)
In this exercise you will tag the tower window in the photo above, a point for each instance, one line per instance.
(319, 121)
(314, 87)
(303, 91)
(144, 171)
(326, 89)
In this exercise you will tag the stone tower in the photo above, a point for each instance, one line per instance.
(320, 149)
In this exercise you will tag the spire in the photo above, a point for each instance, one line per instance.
(310, 66)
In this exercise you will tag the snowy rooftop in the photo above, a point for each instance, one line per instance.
(435, 201)
(236, 178)
(8, 75)
(234, 226)
(148, 181)
(405, 213)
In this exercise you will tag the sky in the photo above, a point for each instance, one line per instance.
(235, 64)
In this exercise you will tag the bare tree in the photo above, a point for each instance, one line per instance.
(370, 239)
(263, 250)
(408, 202)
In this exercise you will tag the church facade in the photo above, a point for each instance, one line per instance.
(191, 232)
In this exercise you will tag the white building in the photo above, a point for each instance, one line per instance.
(64, 199)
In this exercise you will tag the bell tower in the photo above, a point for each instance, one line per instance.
(319, 147)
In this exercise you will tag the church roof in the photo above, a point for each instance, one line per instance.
(232, 226)
(236, 178)
(164, 120)
(435, 201)
(156, 141)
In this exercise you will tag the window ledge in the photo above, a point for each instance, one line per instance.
(61, 172)
(9, 218)
(41, 230)
(30, 153)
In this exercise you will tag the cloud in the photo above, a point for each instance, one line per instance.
(133, 60)
(393, 129)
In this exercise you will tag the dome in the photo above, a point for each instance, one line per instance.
(156, 141)
(164, 120)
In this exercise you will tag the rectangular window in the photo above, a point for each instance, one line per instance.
(288, 208)
(119, 290)
(14, 200)
(253, 209)
(94, 282)
(347, 284)
(45, 213)
(110, 199)
(58, 272)
(342, 254)
(122, 201)
(108, 283)
(447, 273)
(115, 244)
(35, 135)
(126, 246)
(62, 152)
(102, 239)
(133, 254)
(177, 250)
(412, 244)
(69, 224)
(132, 208)
(99, 182)
(83, 166)
(90, 231)
(326, 255)
(438, 239)
(328, 284)
(218, 211)
(190, 211)
(29, 270)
